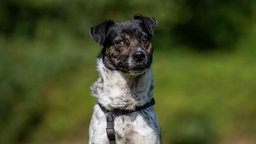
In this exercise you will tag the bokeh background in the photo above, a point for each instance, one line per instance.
(204, 68)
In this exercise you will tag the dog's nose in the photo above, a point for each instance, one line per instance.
(139, 56)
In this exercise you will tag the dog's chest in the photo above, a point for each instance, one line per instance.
(117, 85)
(138, 124)
(117, 90)
(141, 126)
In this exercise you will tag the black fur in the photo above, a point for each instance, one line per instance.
(121, 42)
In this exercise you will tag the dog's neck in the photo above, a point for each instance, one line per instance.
(117, 90)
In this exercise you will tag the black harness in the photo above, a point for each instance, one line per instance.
(110, 114)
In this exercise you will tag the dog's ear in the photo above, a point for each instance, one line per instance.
(99, 31)
(150, 23)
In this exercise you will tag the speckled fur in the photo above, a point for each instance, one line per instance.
(120, 89)
(115, 89)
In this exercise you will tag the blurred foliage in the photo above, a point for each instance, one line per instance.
(47, 64)
(201, 24)
(209, 24)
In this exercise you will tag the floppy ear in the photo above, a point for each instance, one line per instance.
(98, 32)
(149, 23)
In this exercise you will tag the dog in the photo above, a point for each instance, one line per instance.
(124, 111)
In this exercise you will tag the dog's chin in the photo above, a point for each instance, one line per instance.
(137, 71)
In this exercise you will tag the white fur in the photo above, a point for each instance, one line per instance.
(117, 90)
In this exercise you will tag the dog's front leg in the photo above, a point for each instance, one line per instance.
(97, 130)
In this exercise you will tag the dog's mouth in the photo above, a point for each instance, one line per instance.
(134, 69)
(138, 70)
(139, 67)
(138, 62)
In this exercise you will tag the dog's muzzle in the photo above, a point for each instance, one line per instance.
(138, 61)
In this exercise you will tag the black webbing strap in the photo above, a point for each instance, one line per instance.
(110, 128)
(110, 118)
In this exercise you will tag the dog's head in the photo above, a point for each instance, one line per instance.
(126, 45)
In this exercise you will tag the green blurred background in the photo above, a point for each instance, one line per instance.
(204, 68)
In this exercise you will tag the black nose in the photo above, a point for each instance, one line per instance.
(139, 56)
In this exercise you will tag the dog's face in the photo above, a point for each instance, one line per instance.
(126, 45)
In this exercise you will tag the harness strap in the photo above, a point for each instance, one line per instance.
(110, 115)
(110, 127)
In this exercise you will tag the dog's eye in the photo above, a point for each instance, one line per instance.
(120, 43)
(144, 38)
